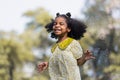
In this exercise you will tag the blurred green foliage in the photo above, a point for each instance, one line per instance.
(13, 53)
(102, 38)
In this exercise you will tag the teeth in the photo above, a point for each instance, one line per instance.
(57, 29)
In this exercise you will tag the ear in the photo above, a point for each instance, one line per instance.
(68, 29)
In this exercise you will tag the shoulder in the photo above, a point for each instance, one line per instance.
(75, 42)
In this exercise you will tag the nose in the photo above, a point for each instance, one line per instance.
(57, 25)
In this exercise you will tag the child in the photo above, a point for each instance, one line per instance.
(67, 52)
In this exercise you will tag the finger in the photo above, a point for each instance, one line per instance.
(89, 57)
(40, 70)
(90, 54)
(92, 57)
(40, 65)
(87, 52)
(45, 67)
(44, 64)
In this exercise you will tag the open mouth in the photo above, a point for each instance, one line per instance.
(57, 30)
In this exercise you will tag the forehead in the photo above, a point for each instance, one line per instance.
(60, 19)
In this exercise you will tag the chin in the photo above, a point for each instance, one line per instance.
(57, 34)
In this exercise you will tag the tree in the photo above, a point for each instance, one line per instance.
(103, 31)
(39, 18)
(13, 53)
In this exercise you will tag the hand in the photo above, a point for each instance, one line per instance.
(42, 66)
(88, 55)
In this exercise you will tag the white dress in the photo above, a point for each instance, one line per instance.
(63, 63)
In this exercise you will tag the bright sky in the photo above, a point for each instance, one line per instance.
(11, 11)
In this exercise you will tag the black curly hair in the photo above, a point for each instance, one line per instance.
(78, 28)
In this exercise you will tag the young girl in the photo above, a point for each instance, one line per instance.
(67, 52)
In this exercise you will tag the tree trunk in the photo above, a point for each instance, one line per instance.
(11, 69)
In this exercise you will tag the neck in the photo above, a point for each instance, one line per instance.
(62, 38)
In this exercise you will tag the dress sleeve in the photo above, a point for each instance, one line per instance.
(76, 49)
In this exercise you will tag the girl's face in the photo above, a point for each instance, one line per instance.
(60, 27)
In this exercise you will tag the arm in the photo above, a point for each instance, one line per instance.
(81, 61)
(86, 56)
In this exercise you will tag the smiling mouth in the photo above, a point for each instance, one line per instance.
(57, 30)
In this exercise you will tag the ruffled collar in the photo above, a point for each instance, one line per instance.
(62, 45)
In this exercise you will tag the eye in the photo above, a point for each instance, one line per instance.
(61, 23)
(54, 23)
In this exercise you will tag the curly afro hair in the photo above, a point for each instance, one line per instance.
(78, 28)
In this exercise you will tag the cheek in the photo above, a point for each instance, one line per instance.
(63, 28)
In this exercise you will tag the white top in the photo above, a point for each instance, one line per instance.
(63, 62)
